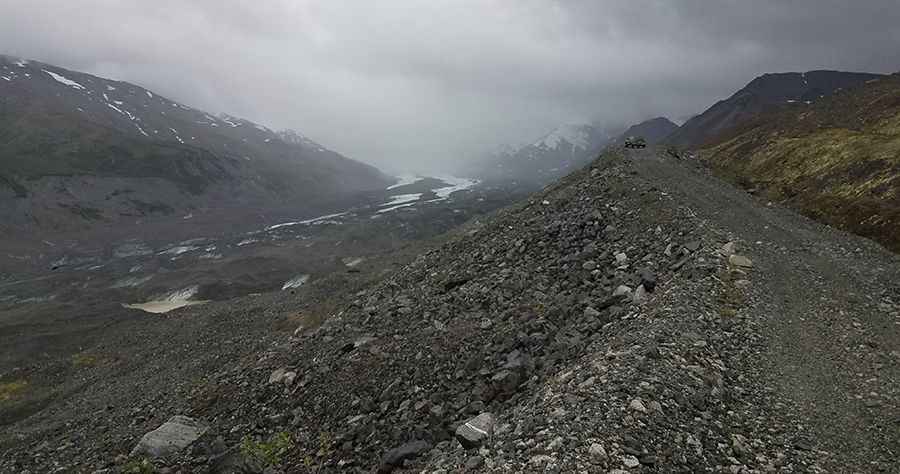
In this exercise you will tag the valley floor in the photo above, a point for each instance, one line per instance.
(707, 362)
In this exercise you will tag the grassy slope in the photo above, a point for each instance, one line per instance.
(837, 160)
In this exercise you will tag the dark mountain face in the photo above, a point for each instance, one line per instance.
(653, 130)
(836, 160)
(766, 91)
(76, 148)
(557, 154)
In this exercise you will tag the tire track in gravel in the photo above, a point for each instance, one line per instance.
(824, 298)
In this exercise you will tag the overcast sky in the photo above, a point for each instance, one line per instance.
(407, 84)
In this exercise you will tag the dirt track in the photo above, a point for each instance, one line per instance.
(829, 305)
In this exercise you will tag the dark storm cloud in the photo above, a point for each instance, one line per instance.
(419, 84)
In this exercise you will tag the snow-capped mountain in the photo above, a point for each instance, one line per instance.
(559, 152)
(118, 149)
(576, 136)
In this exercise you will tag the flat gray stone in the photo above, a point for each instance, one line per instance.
(171, 437)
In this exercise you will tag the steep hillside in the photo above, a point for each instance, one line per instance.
(759, 95)
(836, 160)
(77, 149)
(554, 155)
(653, 130)
(638, 316)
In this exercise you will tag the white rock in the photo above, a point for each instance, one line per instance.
(171, 437)
(630, 461)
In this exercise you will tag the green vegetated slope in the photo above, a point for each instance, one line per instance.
(836, 160)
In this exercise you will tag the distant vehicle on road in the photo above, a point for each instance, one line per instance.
(635, 142)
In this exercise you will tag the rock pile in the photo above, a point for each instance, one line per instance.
(578, 330)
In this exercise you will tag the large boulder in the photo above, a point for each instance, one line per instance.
(170, 438)
(474, 432)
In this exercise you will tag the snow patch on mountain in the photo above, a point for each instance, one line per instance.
(405, 179)
(456, 184)
(64, 80)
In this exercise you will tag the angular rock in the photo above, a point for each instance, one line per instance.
(640, 294)
(506, 381)
(170, 438)
(598, 454)
(282, 375)
(630, 461)
(621, 258)
(474, 432)
(729, 249)
(648, 280)
(395, 457)
(474, 463)
(736, 260)
(637, 405)
(623, 290)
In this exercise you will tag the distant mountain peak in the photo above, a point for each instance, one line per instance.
(564, 149)
(576, 134)
(653, 130)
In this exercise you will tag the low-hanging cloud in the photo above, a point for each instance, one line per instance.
(422, 84)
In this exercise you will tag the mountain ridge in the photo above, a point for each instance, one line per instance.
(763, 92)
(836, 159)
(57, 125)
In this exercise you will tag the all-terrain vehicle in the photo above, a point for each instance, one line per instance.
(635, 142)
